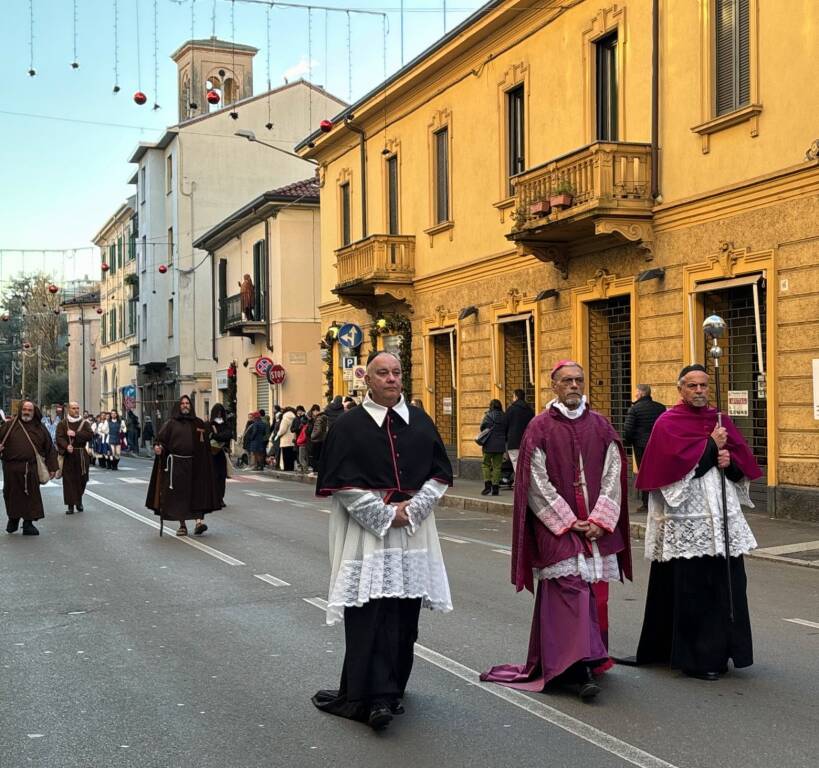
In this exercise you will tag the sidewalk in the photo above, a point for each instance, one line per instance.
(784, 541)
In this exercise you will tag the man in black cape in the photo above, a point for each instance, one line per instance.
(181, 486)
(385, 466)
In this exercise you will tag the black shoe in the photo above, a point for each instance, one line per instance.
(487, 488)
(396, 707)
(116, 464)
(29, 529)
(589, 688)
(495, 490)
(711, 677)
(200, 529)
(79, 508)
(13, 524)
(380, 715)
(70, 510)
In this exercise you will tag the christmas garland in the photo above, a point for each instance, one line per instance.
(401, 326)
(327, 344)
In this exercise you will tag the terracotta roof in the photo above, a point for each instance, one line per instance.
(308, 188)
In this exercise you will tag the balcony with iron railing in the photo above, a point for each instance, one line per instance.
(376, 270)
(597, 195)
(234, 322)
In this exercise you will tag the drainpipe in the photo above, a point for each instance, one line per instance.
(655, 94)
(214, 283)
(268, 319)
(363, 151)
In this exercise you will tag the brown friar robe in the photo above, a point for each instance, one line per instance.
(21, 488)
(181, 486)
(75, 463)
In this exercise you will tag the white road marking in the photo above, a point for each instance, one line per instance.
(503, 551)
(272, 580)
(589, 733)
(788, 549)
(449, 538)
(133, 480)
(183, 539)
(803, 622)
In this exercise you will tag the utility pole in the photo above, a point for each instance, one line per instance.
(23, 379)
(82, 344)
(40, 375)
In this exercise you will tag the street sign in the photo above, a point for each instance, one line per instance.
(263, 365)
(738, 402)
(348, 363)
(359, 372)
(351, 335)
(276, 374)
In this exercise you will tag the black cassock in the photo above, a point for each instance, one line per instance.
(181, 486)
(397, 459)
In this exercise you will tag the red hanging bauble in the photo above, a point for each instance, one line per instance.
(5, 317)
(162, 269)
(104, 267)
(326, 126)
(213, 97)
(56, 311)
(99, 310)
(26, 345)
(140, 98)
(53, 289)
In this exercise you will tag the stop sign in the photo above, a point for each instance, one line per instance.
(276, 374)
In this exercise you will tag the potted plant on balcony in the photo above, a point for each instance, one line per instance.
(540, 208)
(562, 195)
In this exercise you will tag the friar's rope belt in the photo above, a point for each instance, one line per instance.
(169, 465)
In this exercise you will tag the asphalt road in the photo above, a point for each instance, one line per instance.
(118, 648)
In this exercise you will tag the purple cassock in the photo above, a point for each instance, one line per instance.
(569, 622)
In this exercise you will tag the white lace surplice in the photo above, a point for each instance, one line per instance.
(685, 518)
(370, 559)
(555, 513)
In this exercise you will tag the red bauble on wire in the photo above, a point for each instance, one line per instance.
(213, 97)
(326, 126)
(140, 98)
(53, 289)
(5, 317)
(162, 269)
(99, 310)
(104, 266)
(56, 310)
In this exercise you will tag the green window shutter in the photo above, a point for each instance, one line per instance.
(732, 64)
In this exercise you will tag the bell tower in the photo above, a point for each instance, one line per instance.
(212, 64)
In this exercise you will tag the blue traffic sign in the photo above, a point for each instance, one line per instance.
(351, 335)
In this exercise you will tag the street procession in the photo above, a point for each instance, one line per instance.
(444, 391)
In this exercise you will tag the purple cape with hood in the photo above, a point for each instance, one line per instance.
(678, 441)
(563, 440)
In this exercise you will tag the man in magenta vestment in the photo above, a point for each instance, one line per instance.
(570, 535)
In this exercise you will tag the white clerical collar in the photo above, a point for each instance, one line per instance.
(379, 412)
(575, 414)
(73, 421)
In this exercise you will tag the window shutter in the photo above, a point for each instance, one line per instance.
(744, 53)
(442, 175)
(732, 68)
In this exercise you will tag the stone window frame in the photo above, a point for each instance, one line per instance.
(345, 176)
(749, 113)
(392, 148)
(442, 323)
(514, 76)
(441, 119)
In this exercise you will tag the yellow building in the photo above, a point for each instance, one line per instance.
(275, 240)
(539, 185)
(119, 297)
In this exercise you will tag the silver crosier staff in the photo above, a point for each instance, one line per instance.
(714, 327)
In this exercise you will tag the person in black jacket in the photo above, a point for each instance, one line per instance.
(493, 448)
(518, 416)
(637, 428)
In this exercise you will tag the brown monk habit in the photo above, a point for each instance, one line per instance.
(181, 486)
(21, 488)
(75, 463)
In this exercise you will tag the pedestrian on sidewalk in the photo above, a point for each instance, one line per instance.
(148, 432)
(640, 419)
(255, 441)
(493, 447)
(21, 439)
(181, 486)
(333, 410)
(73, 435)
(101, 443)
(303, 440)
(115, 433)
(518, 416)
(318, 434)
(385, 466)
(571, 534)
(286, 439)
(687, 622)
(220, 436)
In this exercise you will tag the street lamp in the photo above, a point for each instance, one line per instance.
(244, 133)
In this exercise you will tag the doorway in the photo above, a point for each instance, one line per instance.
(445, 395)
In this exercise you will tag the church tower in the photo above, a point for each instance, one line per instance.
(212, 64)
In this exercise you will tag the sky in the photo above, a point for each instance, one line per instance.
(65, 137)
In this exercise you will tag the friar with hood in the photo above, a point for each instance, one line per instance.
(385, 466)
(20, 441)
(687, 621)
(73, 435)
(181, 486)
(220, 436)
(571, 534)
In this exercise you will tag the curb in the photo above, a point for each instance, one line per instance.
(486, 506)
